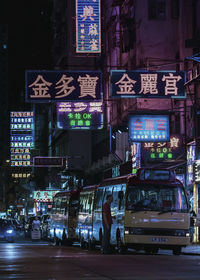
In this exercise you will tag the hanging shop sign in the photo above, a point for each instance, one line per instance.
(197, 171)
(80, 115)
(21, 138)
(149, 128)
(191, 147)
(43, 196)
(146, 84)
(135, 156)
(57, 86)
(88, 26)
(49, 161)
(158, 151)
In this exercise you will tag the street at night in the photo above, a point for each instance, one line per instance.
(40, 260)
(100, 140)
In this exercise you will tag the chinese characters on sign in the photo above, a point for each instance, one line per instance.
(45, 86)
(191, 147)
(159, 151)
(143, 84)
(21, 138)
(88, 26)
(43, 196)
(197, 171)
(149, 128)
(80, 115)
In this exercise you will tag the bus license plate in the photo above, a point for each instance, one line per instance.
(159, 239)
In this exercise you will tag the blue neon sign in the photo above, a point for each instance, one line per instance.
(149, 128)
(88, 26)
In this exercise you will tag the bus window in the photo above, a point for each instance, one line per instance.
(115, 203)
(156, 198)
(74, 207)
(107, 190)
(98, 199)
(121, 196)
(63, 206)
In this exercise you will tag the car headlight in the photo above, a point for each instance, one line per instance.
(9, 231)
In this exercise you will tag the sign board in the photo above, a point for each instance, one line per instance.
(43, 196)
(191, 147)
(21, 138)
(149, 128)
(88, 26)
(57, 86)
(49, 161)
(158, 151)
(80, 115)
(146, 84)
(197, 171)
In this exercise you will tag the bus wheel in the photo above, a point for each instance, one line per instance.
(177, 251)
(121, 249)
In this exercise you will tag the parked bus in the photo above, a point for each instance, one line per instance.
(151, 212)
(64, 217)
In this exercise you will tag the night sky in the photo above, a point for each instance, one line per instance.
(29, 41)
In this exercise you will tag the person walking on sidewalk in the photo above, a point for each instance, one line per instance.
(107, 223)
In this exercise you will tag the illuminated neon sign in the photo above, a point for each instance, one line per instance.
(80, 115)
(191, 147)
(158, 151)
(88, 26)
(146, 84)
(58, 86)
(43, 196)
(21, 138)
(149, 128)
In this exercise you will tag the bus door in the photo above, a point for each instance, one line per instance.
(97, 215)
(73, 217)
(117, 210)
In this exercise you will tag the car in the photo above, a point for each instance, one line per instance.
(7, 230)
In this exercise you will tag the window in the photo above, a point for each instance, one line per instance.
(157, 9)
(175, 9)
(98, 199)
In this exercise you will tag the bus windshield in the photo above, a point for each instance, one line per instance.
(156, 197)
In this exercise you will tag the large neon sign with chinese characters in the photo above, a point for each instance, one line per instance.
(159, 151)
(57, 86)
(145, 84)
(80, 115)
(88, 26)
(149, 128)
(21, 138)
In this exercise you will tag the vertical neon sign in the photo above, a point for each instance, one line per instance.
(88, 26)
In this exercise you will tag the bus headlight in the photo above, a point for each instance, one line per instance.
(132, 230)
(181, 232)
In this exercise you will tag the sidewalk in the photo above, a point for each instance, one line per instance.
(193, 249)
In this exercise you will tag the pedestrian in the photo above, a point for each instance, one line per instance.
(107, 222)
(36, 224)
